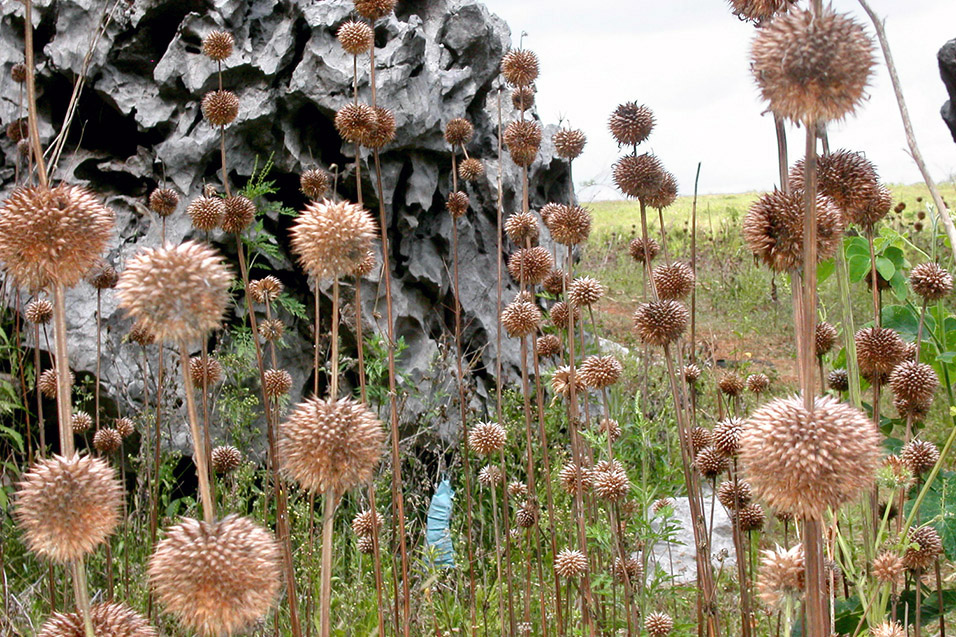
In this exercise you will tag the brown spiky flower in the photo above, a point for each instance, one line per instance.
(700, 437)
(802, 461)
(629, 570)
(521, 318)
(548, 345)
(569, 143)
(734, 495)
(838, 380)
(751, 517)
(107, 441)
(924, 547)
(530, 265)
(758, 383)
(383, 130)
(562, 313)
(238, 213)
(81, 422)
(574, 478)
(46, 383)
(561, 381)
(878, 351)
(658, 624)
(278, 382)
(457, 204)
(759, 11)
(691, 373)
(206, 212)
(914, 382)
(851, 181)
(609, 481)
(66, 507)
(888, 628)
(570, 563)
(124, 427)
(265, 290)
(523, 139)
(18, 73)
(919, 456)
(216, 578)
(639, 252)
(356, 122)
(226, 459)
(115, 620)
(471, 169)
(888, 568)
(365, 522)
(314, 183)
(674, 280)
(220, 108)
(556, 282)
(487, 438)
(490, 476)
(782, 576)
(726, 436)
(666, 193)
(731, 384)
(520, 67)
(522, 228)
(459, 131)
(163, 201)
(824, 338)
(522, 98)
(271, 329)
(812, 68)
(599, 372)
(331, 238)
(527, 514)
(330, 445)
(356, 37)
(102, 276)
(52, 235)
(39, 311)
(773, 229)
(931, 281)
(218, 45)
(585, 291)
(374, 9)
(631, 123)
(638, 176)
(178, 293)
(660, 322)
(710, 462)
(208, 371)
(569, 225)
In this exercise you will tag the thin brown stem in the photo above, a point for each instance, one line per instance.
(331, 501)
(199, 453)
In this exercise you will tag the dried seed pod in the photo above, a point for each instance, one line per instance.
(878, 351)
(824, 338)
(216, 578)
(919, 456)
(220, 108)
(527, 514)
(930, 281)
(383, 130)
(838, 380)
(331, 239)
(570, 564)
(612, 484)
(730, 384)
(457, 204)
(163, 201)
(17, 130)
(661, 504)
(562, 313)
(631, 123)
(561, 382)
(773, 229)
(556, 282)
(519, 67)
(759, 11)
(674, 281)
(522, 228)
(888, 628)
(67, 506)
(265, 290)
(206, 212)
(548, 345)
(758, 383)
(665, 195)
(700, 438)
(52, 236)
(658, 624)
(490, 476)
(726, 436)
(487, 438)
(365, 544)
(238, 213)
(911, 409)
(638, 176)
(530, 265)
(660, 322)
(888, 568)
(18, 73)
(124, 427)
(639, 252)
(356, 37)
(107, 441)
(314, 183)
(611, 428)
(802, 461)
(115, 620)
(356, 122)
(470, 169)
(226, 459)
(569, 143)
(102, 276)
(569, 225)
(521, 318)
(734, 495)
(585, 291)
(751, 518)
(206, 372)
(628, 570)
(39, 311)
(218, 45)
(81, 422)
(710, 462)
(522, 98)
(523, 140)
(24, 148)
(271, 330)
(850, 180)
(374, 9)
(782, 576)
(366, 522)
(278, 382)
(691, 373)
(46, 383)
(366, 266)
(458, 132)
(925, 546)
(600, 372)
(574, 478)
(812, 67)
(914, 382)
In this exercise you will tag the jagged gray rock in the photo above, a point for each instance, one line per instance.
(947, 70)
(138, 123)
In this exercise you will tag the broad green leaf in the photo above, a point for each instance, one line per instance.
(825, 269)
(939, 510)
(885, 267)
(902, 319)
(858, 267)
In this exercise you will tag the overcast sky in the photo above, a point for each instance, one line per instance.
(688, 61)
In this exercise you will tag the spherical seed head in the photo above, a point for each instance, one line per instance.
(521, 318)
(734, 495)
(216, 578)
(314, 183)
(522, 98)
(919, 456)
(674, 280)
(102, 276)
(265, 290)
(356, 37)
(487, 438)
(471, 169)
(330, 239)
(751, 518)
(838, 380)
(802, 461)
(759, 11)
(374, 9)
(570, 563)
(599, 372)
(81, 422)
(124, 427)
(931, 281)
(522, 228)
(548, 345)
(66, 507)
(383, 131)
(365, 267)
(178, 293)
(782, 575)
(611, 428)
(569, 143)
(225, 459)
(330, 445)
(365, 544)
(208, 372)
(561, 382)
(639, 251)
(530, 265)
(726, 436)
(914, 382)
(691, 373)
(658, 624)
(631, 123)
(52, 235)
(758, 383)
(915, 409)
(523, 139)
(457, 204)
(18, 73)
(812, 68)
(710, 462)
(115, 620)
(888, 628)
(356, 122)
(490, 476)
(527, 514)
(824, 336)
(458, 132)
(638, 176)
(17, 130)
(773, 229)
(46, 383)
(661, 504)
(218, 45)
(850, 180)
(519, 67)
(731, 384)
(569, 225)
(39, 311)
(586, 291)
(271, 330)
(163, 201)
(925, 547)
(574, 478)
(278, 382)
(700, 438)
(365, 522)
(665, 195)
(237, 214)
(24, 148)
(206, 212)
(556, 282)
(220, 108)
(611, 485)
(660, 322)
(629, 570)
(888, 568)
(878, 351)
(107, 441)
(562, 313)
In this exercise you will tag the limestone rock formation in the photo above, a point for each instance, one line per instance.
(947, 70)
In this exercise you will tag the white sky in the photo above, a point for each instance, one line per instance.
(688, 61)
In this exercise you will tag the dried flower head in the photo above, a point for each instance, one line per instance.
(631, 123)
(81, 422)
(220, 108)
(366, 522)
(265, 290)
(226, 459)
(530, 265)
(470, 169)
(24, 148)
(271, 329)
(562, 313)
(824, 338)
(46, 383)
(888, 568)
(838, 380)
(758, 383)
(782, 576)
(115, 620)
(751, 518)
(374, 9)
(330, 445)
(726, 436)
(178, 293)
(218, 45)
(356, 37)
(802, 461)
(365, 544)
(638, 176)
(660, 322)
(527, 514)
(52, 236)
(490, 476)
(206, 212)
(919, 456)
(314, 183)
(39, 311)
(658, 624)
(163, 201)
(759, 11)
(523, 139)
(522, 228)
(628, 570)
(548, 345)
(124, 427)
(520, 67)
(556, 282)
(458, 132)
(102, 276)
(661, 504)
(107, 441)
(216, 578)
(888, 628)
(924, 547)
(278, 382)
(734, 495)
(569, 225)
(710, 462)
(611, 483)
(18, 73)
(913, 409)
(640, 250)
(611, 428)
(731, 384)
(457, 204)
(691, 373)
(522, 98)
(238, 213)
(570, 563)
(383, 129)
(355, 122)
(365, 267)
(569, 143)
(330, 239)
(487, 438)
(878, 351)
(914, 382)
(574, 478)
(812, 68)
(666, 193)
(674, 281)
(521, 318)
(586, 291)
(66, 507)
(930, 281)
(206, 372)
(599, 372)
(773, 229)
(561, 381)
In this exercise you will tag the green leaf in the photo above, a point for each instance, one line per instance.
(885, 267)
(825, 269)
(902, 319)
(858, 267)
(14, 437)
(856, 246)
(939, 510)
